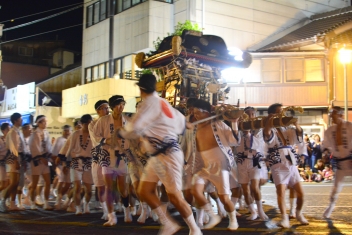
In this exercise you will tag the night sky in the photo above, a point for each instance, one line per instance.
(12, 9)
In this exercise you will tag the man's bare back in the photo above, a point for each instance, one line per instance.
(205, 137)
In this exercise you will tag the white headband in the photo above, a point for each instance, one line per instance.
(203, 110)
(40, 119)
(102, 104)
(119, 99)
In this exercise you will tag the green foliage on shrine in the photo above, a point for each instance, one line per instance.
(185, 26)
(178, 31)
(147, 71)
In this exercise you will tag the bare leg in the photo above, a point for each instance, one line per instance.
(280, 191)
(300, 198)
(77, 196)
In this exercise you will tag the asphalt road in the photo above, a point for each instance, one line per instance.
(317, 195)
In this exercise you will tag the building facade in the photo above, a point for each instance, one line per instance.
(112, 37)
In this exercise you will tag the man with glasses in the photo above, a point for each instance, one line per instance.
(337, 139)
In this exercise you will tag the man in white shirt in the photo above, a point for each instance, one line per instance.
(337, 139)
(102, 109)
(64, 182)
(5, 128)
(283, 159)
(25, 170)
(160, 125)
(40, 147)
(14, 144)
(80, 157)
(112, 157)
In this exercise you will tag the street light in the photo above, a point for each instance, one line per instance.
(345, 58)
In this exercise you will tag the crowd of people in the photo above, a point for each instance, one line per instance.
(160, 156)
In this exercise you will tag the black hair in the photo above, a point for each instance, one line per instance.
(338, 109)
(202, 104)
(190, 102)
(272, 108)
(147, 83)
(26, 124)
(66, 127)
(115, 100)
(249, 108)
(100, 103)
(4, 126)
(76, 123)
(14, 117)
(39, 117)
(86, 118)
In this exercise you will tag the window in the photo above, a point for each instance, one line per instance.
(119, 6)
(126, 4)
(135, 2)
(102, 71)
(103, 8)
(25, 51)
(118, 67)
(88, 75)
(96, 12)
(90, 15)
(294, 70)
(314, 70)
(167, 1)
(122, 5)
(107, 69)
(252, 73)
(95, 73)
(271, 70)
(127, 67)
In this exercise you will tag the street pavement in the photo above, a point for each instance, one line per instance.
(316, 196)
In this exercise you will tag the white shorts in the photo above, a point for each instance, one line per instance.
(283, 174)
(166, 168)
(135, 172)
(84, 176)
(11, 168)
(61, 176)
(209, 188)
(121, 170)
(263, 170)
(3, 175)
(246, 171)
(97, 174)
(234, 178)
(215, 171)
(41, 169)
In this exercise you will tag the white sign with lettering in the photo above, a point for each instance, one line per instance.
(83, 100)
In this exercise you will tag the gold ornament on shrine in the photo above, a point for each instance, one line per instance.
(279, 120)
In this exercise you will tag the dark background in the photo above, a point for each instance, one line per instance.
(12, 9)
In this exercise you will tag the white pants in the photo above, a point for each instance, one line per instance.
(215, 171)
(246, 171)
(166, 168)
(283, 174)
(97, 173)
